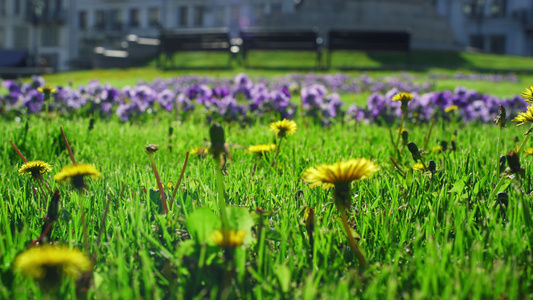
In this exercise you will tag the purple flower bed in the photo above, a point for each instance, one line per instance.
(243, 100)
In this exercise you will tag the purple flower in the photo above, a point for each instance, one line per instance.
(34, 101)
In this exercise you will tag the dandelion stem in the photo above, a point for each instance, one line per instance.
(396, 153)
(222, 198)
(426, 139)
(68, 147)
(18, 152)
(351, 240)
(497, 187)
(179, 179)
(277, 151)
(524, 142)
(159, 185)
(498, 149)
(43, 234)
(397, 167)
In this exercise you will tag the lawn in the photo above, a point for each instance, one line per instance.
(254, 227)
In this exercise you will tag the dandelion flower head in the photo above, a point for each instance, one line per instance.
(36, 168)
(528, 151)
(228, 238)
(339, 173)
(403, 97)
(77, 174)
(284, 127)
(524, 117)
(200, 150)
(418, 167)
(528, 94)
(45, 261)
(451, 108)
(260, 149)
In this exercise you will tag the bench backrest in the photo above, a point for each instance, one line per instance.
(279, 40)
(195, 40)
(369, 40)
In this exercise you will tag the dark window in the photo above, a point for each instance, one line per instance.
(99, 21)
(276, 8)
(82, 20)
(184, 16)
(498, 8)
(497, 44)
(50, 36)
(477, 42)
(135, 17)
(198, 16)
(116, 19)
(153, 16)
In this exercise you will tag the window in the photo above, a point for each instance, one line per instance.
(153, 16)
(17, 8)
(498, 8)
(276, 8)
(50, 36)
(20, 38)
(198, 16)
(2, 38)
(116, 19)
(183, 16)
(135, 17)
(99, 20)
(3, 7)
(220, 16)
(497, 44)
(259, 12)
(82, 20)
(477, 42)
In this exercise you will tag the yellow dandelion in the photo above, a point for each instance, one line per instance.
(528, 94)
(528, 151)
(49, 263)
(339, 173)
(47, 90)
(36, 168)
(199, 150)
(451, 108)
(437, 149)
(524, 117)
(77, 174)
(403, 97)
(283, 128)
(261, 149)
(228, 238)
(418, 167)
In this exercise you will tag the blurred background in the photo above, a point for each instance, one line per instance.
(63, 35)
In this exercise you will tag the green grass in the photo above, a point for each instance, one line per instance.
(424, 238)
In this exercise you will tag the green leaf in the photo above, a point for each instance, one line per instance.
(201, 224)
(239, 218)
(460, 185)
(284, 277)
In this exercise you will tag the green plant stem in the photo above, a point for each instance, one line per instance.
(524, 142)
(396, 153)
(221, 198)
(159, 185)
(176, 187)
(426, 139)
(277, 151)
(497, 187)
(498, 149)
(351, 240)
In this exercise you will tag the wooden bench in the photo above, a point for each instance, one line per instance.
(186, 40)
(368, 41)
(289, 40)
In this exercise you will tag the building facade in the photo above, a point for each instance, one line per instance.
(64, 33)
(491, 26)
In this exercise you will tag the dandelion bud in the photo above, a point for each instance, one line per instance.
(299, 194)
(503, 199)
(453, 147)
(309, 220)
(170, 130)
(514, 162)
(151, 149)
(501, 118)
(405, 137)
(444, 146)
(432, 167)
(414, 151)
(91, 124)
(216, 133)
